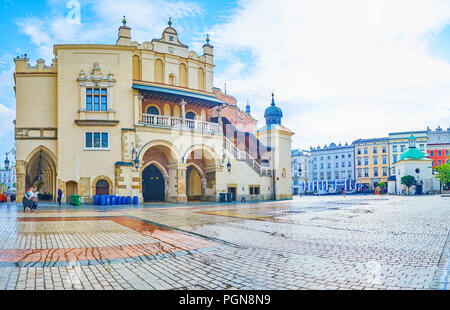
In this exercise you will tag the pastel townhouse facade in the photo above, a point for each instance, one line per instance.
(399, 143)
(371, 162)
(300, 171)
(438, 148)
(7, 177)
(332, 169)
(144, 120)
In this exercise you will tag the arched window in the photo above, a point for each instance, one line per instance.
(201, 79)
(137, 68)
(171, 79)
(159, 71)
(190, 115)
(183, 81)
(102, 187)
(152, 110)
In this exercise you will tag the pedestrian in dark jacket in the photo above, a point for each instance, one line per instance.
(59, 196)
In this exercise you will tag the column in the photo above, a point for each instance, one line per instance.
(219, 117)
(177, 183)
(20, 180)
(183, 112)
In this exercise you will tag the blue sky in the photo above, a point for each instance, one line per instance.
(340, 70)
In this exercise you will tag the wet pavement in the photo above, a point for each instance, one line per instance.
(335, 242)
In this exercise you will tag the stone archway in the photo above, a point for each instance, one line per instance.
(40, 172)
(195, 183)
(160, 173)
(204, 160)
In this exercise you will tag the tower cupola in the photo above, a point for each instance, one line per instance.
(273, 114)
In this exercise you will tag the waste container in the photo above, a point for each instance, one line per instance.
(229, 197)
(113, 200)
(128, 200)
(96, 200)
(135, 200)
(118, 200)
(123, 200)
(103, 200)
(75, 200)
(107, 200)
(223, 197)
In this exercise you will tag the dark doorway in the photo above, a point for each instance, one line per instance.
(233, 191)
(102, 187)
(152, 184)
(419, 189)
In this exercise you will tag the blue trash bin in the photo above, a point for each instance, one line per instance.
(113, 200)
(135, 200)
(128, 200)
(223, 197)
(229, 197)
(108, 200)
(103, 200)
(96, 200)
(124, 200)
(118, 200)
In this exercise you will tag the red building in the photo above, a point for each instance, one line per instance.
(439, 156)
(438, 146)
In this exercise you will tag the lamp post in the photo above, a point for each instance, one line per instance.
(229, 166)
(7, 162)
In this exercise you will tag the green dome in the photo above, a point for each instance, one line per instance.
(412, 153)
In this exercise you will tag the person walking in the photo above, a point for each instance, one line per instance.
(8, 195)
(344, 193)
(59, 197)
(27, 200)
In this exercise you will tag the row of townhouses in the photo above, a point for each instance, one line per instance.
(364, 163)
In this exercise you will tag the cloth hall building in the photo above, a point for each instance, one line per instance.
(142, 119)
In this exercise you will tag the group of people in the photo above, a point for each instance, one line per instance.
(30, 199)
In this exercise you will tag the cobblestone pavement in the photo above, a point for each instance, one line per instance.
(353, 242)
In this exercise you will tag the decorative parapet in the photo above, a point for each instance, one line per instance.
(36, 133)
(23, 66)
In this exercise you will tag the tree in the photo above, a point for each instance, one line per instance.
(444, 174)
(382, 185)
(408, 181)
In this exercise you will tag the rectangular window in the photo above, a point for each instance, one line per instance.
(394, 158)
(384, 149)
(422, 147)
(337, 175)
(359, 161)
(366, 172)
(375, 150)
(365, 150)
(375, 172)
(394, 148)
(366, 160)
(439, 153)
(359, 151)
(431, 153)
(349, 163)
(254, 189)
(384, 160)
(375, 160)
(96, 99)
(343, 164)
(384, 171)
(96, 140)
(402, 148)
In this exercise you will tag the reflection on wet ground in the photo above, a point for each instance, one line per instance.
(310, 242)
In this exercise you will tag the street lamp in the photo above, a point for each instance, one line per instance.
(229, 165)
(6, 162)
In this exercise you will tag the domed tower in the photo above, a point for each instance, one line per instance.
(273, 114)
(278, 139)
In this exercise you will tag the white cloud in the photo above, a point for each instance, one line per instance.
(340, 69)
(100, 21)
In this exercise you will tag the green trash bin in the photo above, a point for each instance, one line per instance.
(75, 200)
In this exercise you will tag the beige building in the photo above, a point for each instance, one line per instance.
(371, 162)
(140, 119)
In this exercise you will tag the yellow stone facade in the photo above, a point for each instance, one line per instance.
(371, 162)
(100, 115)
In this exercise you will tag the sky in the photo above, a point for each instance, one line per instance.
(340, 70)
